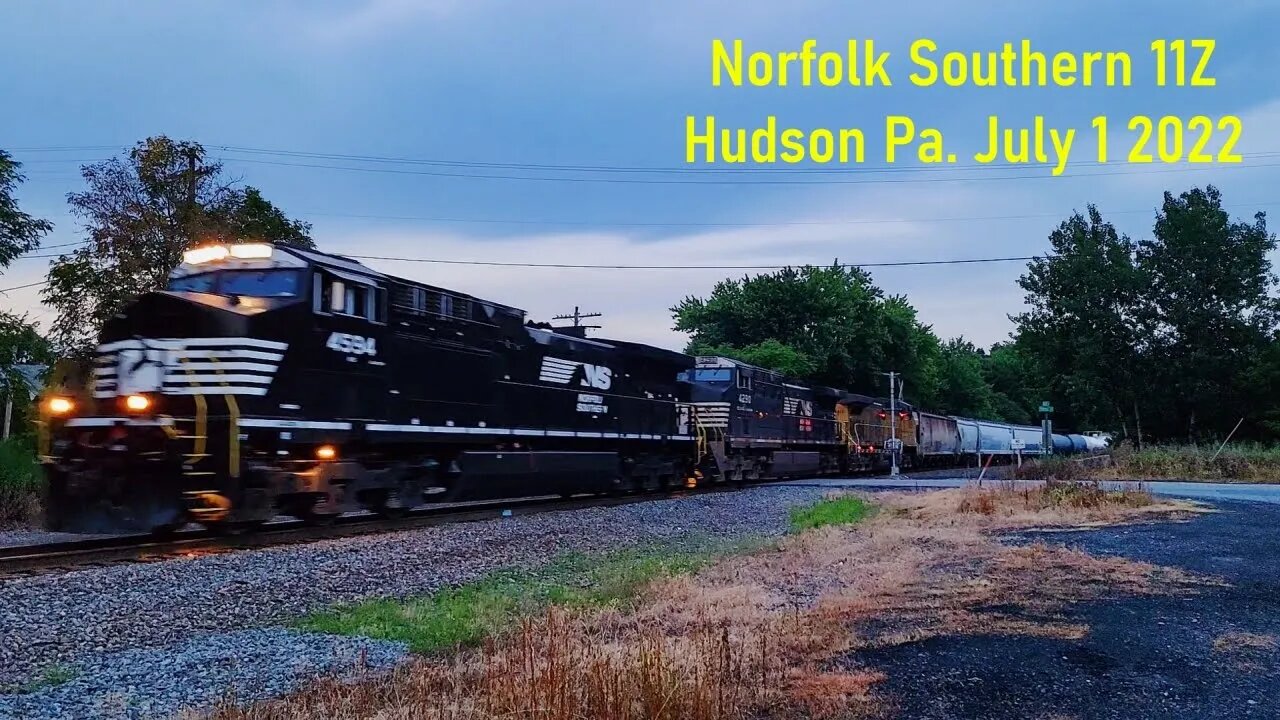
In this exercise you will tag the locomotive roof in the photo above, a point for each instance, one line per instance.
(340, 263)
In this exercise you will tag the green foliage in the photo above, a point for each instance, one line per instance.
(1081, 323)
(1172, 336)
(1262, 382)
(962, 387)
(769, 354)
(830, 319)
(1014, 385)
(841, 510)
(140, 213)
(19, 232)
(467, 614)
(21, 344)
(20, 481)
(1209, 310)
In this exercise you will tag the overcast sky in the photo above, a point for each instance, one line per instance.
(609, 84)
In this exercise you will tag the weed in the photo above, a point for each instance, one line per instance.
(52, 676)
(465, 615)
(836, 510)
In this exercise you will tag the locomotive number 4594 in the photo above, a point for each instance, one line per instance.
(351, 344)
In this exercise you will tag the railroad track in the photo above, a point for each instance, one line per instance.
(29, 560)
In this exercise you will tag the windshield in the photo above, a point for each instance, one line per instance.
(717, 375)
(251, 283)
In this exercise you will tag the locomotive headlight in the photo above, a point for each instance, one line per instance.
(326, 452)
(60, 406)
(137, 403)
(207, 253)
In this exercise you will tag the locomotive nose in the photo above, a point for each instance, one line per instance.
(166, 313)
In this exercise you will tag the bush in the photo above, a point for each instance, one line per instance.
(20, 482)
(1243, 462)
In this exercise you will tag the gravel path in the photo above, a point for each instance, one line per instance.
(84, 620)
(1210, 655)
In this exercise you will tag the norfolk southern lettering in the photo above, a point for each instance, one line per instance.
(861, 64)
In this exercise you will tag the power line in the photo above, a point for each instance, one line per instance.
(575, 167)
(22, 287)
(788, 223)
(905, 263)
(675, 181)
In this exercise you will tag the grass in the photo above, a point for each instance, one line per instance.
(1239, 462)
(467, 614)
(840, 510)
(52, 676)
(20, 482)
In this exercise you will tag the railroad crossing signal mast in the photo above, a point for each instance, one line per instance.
(893, 424)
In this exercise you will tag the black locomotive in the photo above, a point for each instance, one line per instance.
(271, 380)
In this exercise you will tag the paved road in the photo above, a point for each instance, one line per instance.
(1191, 490)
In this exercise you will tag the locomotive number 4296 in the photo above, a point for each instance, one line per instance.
(351, 344)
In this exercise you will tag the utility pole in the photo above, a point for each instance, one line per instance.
(578, 316)
(893, 425)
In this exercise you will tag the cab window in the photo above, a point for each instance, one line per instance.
(708, 375)
(344, 297)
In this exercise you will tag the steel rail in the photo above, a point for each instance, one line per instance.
(29, 560)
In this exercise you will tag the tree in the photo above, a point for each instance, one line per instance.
(769, 354)
(1014, 382)
(962, 388)
(1262, 381)
(20, 345)
(140, 213)
(832, 319)
(1081, 328)
(1210, 308)
(19, 232)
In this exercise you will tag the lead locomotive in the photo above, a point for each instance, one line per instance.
(268, 380)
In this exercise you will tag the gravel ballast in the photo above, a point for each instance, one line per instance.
(85, 619)
(246, 665)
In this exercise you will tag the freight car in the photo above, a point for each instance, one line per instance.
(269, 380)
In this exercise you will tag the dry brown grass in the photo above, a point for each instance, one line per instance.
(1237, 641)
(1245, 651)
(775, 633)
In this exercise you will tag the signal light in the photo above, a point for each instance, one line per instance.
(137, 403)
(326, 452)
(60, 406)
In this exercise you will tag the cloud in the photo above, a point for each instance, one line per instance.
(371, 17)
(970, 300)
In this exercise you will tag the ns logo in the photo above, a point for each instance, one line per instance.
(597, 376)
(561, 372)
